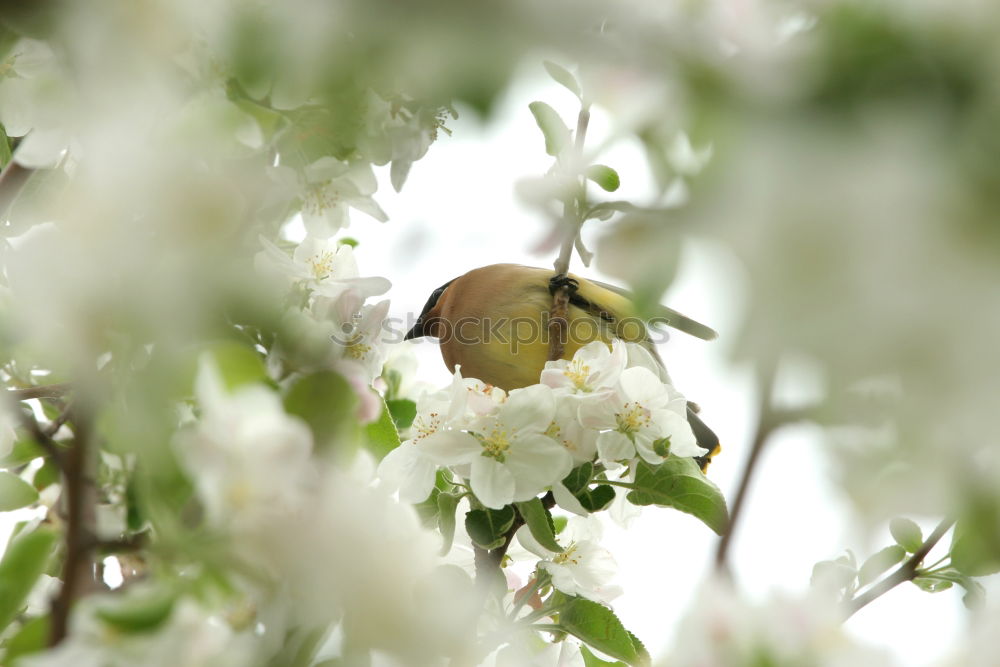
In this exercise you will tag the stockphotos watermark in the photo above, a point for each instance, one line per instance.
(515, 332)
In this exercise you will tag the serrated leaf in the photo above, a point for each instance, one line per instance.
(606, 177)
(553, 128)
(679, 483)
(137, 610)
(540, 524)
(24, 561)
(598, 626)
(447, 504)
(403, 412)
(327, 403)
(906, 533)
(563, 77)
(381, 434)
(578, 478)
(15, 493)
(879, 562)
(486, 527)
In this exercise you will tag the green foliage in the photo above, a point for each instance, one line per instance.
(880, 562)
(557, 135)
(447, 504)
(23, 451)
(539, 522)
(15, 493)
(906, 533)
(24, 561)
(593, 499)
(403, 412)
(606, 177)
(5, 152)
(598, 626)
(31, 637)
(563, 77)
(238, 364)
(327, 404)
(679, 483)
(381, 434)
(975, 547)
(486, 527)
(591, 660)
(137, 610)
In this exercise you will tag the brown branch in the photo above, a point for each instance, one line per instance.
(41, 391)
(767, 423)
(80, 495)
(42, 437)
(906, 572)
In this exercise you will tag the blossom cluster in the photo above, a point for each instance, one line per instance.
(607, 405)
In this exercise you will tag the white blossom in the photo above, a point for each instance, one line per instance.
(593, 368)
(509, 457)
(324, 265)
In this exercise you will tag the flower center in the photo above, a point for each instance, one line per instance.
(426, 425)
(578, 372)
(495, 444)
(318, 198)
(568, 556)
(632, 418)
(321, 264)
(357, 349)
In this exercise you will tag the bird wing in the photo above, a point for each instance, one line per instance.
(668, 316)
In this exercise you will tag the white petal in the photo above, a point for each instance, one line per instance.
(537, 461)
(677, 428)
(567, 500)
(529, 409)
(492, 482)
(614, 446)
(408, 470)
(644, 447)
(450, 447)
(642, 385)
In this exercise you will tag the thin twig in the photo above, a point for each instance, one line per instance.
(41, 391)
(41, 437)
(766, 425)
(906, 572)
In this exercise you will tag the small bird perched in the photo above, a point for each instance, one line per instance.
(492, 321)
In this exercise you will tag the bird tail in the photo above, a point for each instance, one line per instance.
(705, 438)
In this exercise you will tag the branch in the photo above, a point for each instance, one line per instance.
(41, 391)
(906, 572)
(768, 422)
(80, 497)
(490, 561)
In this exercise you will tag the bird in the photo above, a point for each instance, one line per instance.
(492, 321)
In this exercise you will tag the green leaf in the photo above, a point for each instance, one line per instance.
(238, 364)
(403, 412)
(559, 523)
(5, 153)
(598, 626)
(591, 660)
(540, 524)
(596, 498)
(556, 133)
(578, 478)
(15, 493)
(932, 584)
(447, 504)
(45, 476)
(32, 637)
(879, 562)
(563, 77)
(381, 434)
(428, 510)
(25, 560)
(906, 533)
(22, 452)
(486, 527)
(679, 483)
(975, 548)
(327, 403)
(606, 177)
(138, 610)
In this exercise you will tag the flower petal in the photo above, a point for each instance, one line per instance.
(492, 482)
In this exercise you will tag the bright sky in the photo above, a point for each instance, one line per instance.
(458, 211)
